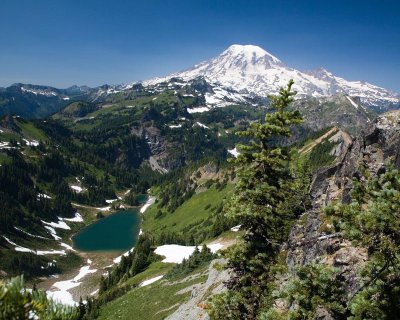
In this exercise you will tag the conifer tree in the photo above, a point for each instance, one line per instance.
(261, 203)
(372, 221)
(16, 302)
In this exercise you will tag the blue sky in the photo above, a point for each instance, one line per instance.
(92, 42)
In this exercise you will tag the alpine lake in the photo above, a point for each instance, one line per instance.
(117, 232)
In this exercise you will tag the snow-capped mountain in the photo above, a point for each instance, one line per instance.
(250, 69)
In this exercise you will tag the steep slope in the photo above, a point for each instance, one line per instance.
(314, 237)
(377, 145)
(250, 69)
(339, 110)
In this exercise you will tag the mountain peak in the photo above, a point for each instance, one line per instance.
(250, 52)
(251, 69)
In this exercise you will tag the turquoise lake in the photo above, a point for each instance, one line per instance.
(117, 232)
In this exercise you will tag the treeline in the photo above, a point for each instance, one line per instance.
(113, 151)
(135, 262)
(28, 264)
(197, 259)
(21, 201)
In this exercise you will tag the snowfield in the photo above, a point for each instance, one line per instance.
(174, 253)
(60, 291)
(250, 70)
(60, 224)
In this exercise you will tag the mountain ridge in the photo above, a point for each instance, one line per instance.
(251, 69)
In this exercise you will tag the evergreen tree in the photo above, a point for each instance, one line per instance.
(372, 221)
(261, 203)
(18, 303)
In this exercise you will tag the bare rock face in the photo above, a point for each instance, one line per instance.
(163, 155)
(194, 307)
(311, 239)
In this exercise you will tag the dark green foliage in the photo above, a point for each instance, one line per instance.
(175, 190)
(167, 237)
(313, 288)
(196, 259)
(137, 260)
(78, 109)
(260, 203)
(16, 303)
(132, 199)
(28, 264)
(320, 154)
(21, 193)
(372, 221)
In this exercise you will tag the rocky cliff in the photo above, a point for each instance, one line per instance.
(312, 238)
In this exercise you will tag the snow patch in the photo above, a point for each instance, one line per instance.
(236, 228)
(77, 189)
(352, 102)
(66, 246)
(60, 291)
(234, 152)
(43, 195)
(150, 281)
(202, 125)
(174, 253)
(37, 252)
(60, 224)
(53, 233)
(118, 259)
(77, 218)
(30, 234)
(197, 110)
(94, 292)
(104, 209)
(148, 203)
(175, 126)
(32, 143)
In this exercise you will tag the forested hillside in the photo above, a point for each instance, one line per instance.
(90, 155)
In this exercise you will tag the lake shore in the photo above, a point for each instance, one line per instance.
(83, 281)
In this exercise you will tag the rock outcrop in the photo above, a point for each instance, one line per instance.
(312, 239)
(194, 307)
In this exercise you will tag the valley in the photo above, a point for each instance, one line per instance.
(191, 195)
